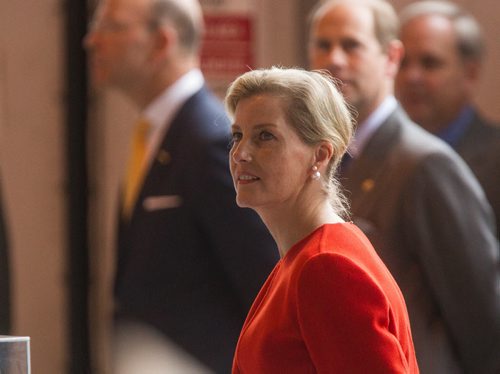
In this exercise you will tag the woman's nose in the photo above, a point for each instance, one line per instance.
(240, 152)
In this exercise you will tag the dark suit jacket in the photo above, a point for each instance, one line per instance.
(192, 268)
(430, 222)
(480, 148)
(4, 278)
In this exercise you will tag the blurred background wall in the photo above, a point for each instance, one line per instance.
(31, 163)
(34, 153)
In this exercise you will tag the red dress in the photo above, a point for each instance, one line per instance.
(329, 306)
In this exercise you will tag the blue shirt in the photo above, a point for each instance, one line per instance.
(456, 129)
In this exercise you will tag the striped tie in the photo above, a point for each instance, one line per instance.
(136, 166)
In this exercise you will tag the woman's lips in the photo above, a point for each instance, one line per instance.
(245, 178)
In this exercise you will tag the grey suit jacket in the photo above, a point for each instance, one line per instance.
(480, 148)
(429, 220)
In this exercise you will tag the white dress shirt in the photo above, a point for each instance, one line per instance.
(366, 129)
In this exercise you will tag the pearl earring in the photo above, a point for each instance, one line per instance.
(316, 175)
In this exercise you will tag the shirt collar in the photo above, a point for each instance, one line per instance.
(366, 129)
(162, 109)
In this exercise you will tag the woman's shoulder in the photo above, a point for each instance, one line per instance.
(340, 239)
(326, 241)
(338, 246)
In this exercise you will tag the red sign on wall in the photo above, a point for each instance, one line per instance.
(227, 48)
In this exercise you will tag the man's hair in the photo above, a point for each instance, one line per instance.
(470, 43)
(386, 22)
(183, 15)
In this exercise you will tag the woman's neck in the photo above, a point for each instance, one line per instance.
(291, 223)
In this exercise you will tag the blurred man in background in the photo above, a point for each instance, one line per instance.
(190, 262)
(436, 83)
(414, 197)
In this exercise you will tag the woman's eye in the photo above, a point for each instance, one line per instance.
(265, 135)
(235, 137)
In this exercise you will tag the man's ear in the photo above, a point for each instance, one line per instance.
(472, 70)
(164, 42)
(395, 53)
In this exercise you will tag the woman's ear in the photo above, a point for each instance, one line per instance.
(323, 153)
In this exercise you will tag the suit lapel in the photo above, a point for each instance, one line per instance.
(366, 174)
(159, 179)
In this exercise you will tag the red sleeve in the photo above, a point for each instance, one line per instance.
(345, 318)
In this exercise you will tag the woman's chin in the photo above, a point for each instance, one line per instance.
(244, 200)
(242, 203)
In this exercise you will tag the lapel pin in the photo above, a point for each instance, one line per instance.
(367, 185)
(163, 157)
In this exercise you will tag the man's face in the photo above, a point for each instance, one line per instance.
(343, 42)
(433, 82)
(119, 43)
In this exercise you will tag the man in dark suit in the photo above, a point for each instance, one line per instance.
(444, 50)
(413, 195)
(190, 262)
(4, 278)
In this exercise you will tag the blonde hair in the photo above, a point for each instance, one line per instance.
(314, 108)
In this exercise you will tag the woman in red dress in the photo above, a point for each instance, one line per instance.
(330, 305)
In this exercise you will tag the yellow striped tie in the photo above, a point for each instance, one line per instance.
(136, 166)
